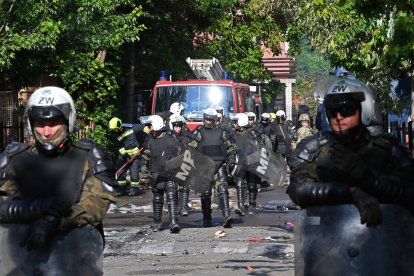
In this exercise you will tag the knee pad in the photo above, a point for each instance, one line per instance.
(222, 174)
(222, 189)
(158, 198)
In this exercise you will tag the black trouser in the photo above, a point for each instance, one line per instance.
(221, 187)
(133, 170)
(160, 186)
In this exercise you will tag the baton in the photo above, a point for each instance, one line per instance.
(121, 169)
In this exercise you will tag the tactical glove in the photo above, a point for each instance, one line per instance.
(38, 233)
(368, 207)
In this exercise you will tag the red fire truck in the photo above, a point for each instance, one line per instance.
(197, 95)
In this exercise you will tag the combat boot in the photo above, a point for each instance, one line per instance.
(225, 210)
(157, 204)
(183, 196)
(241, 194)
(121, 190)
(172, 206)
(207, 221)
(252, 202)
(206, 209)
(136, 190)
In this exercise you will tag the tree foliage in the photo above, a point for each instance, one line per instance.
(374, 39)
(62, 38)
(237, 37)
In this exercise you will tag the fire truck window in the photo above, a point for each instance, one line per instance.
(196, 98)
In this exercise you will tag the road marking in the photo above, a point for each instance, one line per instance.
(231, 247)
(157, 249)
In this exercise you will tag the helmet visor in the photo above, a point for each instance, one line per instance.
(46, 114)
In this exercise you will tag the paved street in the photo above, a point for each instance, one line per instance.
(256, 245)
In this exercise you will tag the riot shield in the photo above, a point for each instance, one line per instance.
(192, 169)
(330, 240)
(79, 252)
(261, 160)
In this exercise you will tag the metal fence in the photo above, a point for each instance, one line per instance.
(10, 133)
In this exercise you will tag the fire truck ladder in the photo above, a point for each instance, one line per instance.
(206, 69)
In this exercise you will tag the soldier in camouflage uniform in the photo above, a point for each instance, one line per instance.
(304, 131)
(56, 185)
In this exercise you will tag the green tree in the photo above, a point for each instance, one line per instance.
(311, 67)
(238, 36)
(374, 39)
(68, 39)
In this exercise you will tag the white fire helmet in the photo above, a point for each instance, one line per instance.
(251, 116)
(156, 121)
(176, 120)
(242, 119)
(280, 113)
(176, 108)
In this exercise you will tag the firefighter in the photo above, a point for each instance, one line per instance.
(58, 187)
(272, 117)
(176, 124)
(162, 145)
(223, 120)
(128, 147)
(213, 141)
(348, 165)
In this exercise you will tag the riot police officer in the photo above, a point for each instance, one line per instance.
(253, 181)
(176, 124)
(57, 186)
(224, 121)
(349, 165)
(128, 148)
(283, 134)
(213, 141)
(162, 146)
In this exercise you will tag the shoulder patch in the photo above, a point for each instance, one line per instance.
(309, 147)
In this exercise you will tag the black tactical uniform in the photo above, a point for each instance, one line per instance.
(381, 165)
(253, 181)
(214, 142)
(283, 137)
(343, 167)
(164, 145)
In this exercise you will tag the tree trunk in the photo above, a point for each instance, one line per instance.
(130, 81)
(412, 92)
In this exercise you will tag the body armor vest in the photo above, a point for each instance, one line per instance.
(43, 177)
(212, 143)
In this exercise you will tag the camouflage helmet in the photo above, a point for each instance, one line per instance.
(304, 117)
